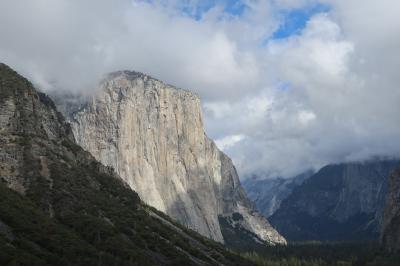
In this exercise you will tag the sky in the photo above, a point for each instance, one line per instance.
(286, 85)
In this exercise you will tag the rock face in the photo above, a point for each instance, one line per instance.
(390, 237)
(26, 115)
(339, 202)
(268, 194)
(152, 135)
(59, 206)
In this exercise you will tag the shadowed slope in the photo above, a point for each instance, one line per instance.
(68, 209)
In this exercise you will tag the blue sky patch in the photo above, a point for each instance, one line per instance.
(231, 7)
(235, 7)
(295, 20)
(197, 11)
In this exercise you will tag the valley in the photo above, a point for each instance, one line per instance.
(128, 176)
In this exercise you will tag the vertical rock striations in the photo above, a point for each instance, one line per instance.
(70, 209)
(390, 237)
(152, 135)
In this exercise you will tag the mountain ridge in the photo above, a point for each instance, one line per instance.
(268, 194)
(340, 202)
(153, 135)
(59, 206)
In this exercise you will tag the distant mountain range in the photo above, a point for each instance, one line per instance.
(342, 202)
(59, 206)
(134, 179)
(268, 194)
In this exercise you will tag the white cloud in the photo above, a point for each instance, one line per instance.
(229, 141)
(306, 117)
(277, 107)
(70, 44)
(333, 110)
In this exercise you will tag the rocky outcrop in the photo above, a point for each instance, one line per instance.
(27, 118)
(268, 194)
(339, 202)
(152, 135)
(59, 206)
(390, 237)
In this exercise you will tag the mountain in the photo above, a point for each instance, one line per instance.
(339, 202)
(267, 194)
(390, 237)
(152, 134)
(59, 206)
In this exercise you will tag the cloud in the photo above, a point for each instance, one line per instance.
(229, 141)
(327, 107)
(324, 92)
(71, 44)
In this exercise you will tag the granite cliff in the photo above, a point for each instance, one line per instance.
(390, 237)
(152, 134)
(59, 206)
(339, 202)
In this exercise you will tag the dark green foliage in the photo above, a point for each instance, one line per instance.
(238, 238)
(75, 211)
(36, 236)
(10, 81)
(237, 216)
(24, 140)
(306, 253)
(322, 254)
(97, 220)
(69, 144)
